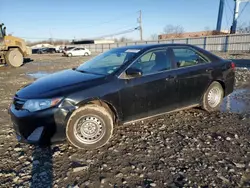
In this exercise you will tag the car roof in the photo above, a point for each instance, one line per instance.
(146, 47)
(149, 46)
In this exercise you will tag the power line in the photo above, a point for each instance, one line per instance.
(116, 18)
(227, 19)
(237, 14)
(117, 29)
(229, 7)
(243, 9)
(102, 23)
(44, 38)
(131, 29)
(118, 33)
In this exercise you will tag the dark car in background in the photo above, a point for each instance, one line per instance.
(46, 51)
(34, 51)
(123, 85)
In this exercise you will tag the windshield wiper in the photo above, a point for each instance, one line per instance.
(84, 71)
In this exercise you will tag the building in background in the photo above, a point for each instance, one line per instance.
(192, 34)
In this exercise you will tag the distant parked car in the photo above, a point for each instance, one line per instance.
(46, 50)
(59, 49)
(34, 51)
(122, 85)
(77, 52)
(67, 49)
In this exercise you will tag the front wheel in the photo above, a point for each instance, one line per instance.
(89, 127)
(213, 97)
(86, 54)
(70, 55)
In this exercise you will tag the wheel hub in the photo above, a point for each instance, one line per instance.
(214, 97)
(89, 129)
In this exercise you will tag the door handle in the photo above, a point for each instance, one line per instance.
(209, 69)
(171, 77)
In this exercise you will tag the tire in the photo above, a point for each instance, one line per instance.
(14, 58)
(70, 55)
(92, 118)
(86, 54)
(213, 97)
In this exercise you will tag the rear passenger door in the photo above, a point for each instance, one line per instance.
(193, 76)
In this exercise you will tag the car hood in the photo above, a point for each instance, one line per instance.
(59, 84)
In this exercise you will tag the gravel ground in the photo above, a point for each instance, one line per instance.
(189, 148)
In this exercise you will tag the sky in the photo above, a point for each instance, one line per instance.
(75, 19)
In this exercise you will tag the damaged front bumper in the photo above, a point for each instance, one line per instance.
(47, 126)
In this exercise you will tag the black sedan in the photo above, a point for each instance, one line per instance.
(46, 51)
(126, 84)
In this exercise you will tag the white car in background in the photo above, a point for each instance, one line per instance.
(77, 52)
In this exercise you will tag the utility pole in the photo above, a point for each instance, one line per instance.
(220, 15)
(140, 23)
(51, 37)
(236, 14)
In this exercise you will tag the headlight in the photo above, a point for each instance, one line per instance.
(40, 104)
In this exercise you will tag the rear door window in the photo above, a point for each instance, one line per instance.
(186, 57)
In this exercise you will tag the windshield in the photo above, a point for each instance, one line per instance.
(106, 63)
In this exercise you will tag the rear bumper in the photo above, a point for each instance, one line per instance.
(43, 127)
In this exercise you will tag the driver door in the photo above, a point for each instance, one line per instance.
(152, 93)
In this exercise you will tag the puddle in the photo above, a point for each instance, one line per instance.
(237, 102)
(42, 63)
(37, 75)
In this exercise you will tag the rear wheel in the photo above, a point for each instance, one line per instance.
(90, 127)
(213, 97)
(14, 58)
(86, 54)
(70, 55)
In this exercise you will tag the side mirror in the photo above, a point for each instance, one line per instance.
(133, 72)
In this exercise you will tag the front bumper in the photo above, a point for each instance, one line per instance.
(42, 127)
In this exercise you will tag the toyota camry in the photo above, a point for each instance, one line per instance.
(84, 104)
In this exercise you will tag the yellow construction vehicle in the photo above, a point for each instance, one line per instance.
(13, 50)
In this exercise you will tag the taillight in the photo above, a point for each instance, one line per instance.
(233, 65)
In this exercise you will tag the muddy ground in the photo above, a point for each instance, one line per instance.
(189, 148)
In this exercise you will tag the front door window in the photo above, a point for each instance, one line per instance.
(153, 62)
